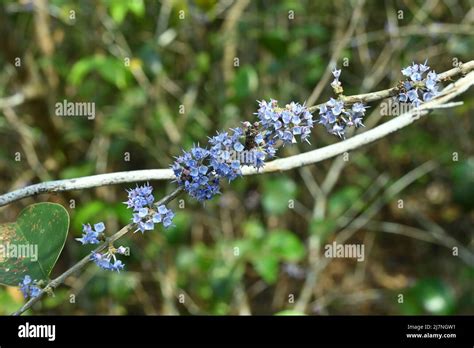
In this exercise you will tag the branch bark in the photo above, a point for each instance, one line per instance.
(278, 165)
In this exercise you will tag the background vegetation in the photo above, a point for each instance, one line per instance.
(161, 82)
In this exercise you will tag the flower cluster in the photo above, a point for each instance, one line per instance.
(92, 235)
(224, 154)
(141, 200)
(200, 170)
(261, 144)
(336, 116)
(285, 123)
(108, 260)
(139, 197)
(146, 218)
(193, 172)
(418, 88)
(29, 288)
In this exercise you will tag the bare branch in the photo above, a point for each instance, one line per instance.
(278, 165)
(462, 69)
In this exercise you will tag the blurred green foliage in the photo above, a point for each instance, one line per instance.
(428, 296)
(166, 75)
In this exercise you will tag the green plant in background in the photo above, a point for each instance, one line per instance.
(175, 92)
(428, 296)
(32, 245)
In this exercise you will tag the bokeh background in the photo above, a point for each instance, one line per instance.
(165, 75)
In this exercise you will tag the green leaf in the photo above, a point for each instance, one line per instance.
(276, 42)
(276, 195)
(245, 81)
(285, 245)
(119, 9)
(41, 229)
(429, 296)
(253, 229)
(314, 31)
(267, 267)
(246, 247)
(110, 69)
(203, 61)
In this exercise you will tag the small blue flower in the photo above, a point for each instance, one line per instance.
(412, 95)
(99, 227)
(34, 291)
(121, 250)
(336, 106)
(142, 212)
(336, 117)
(424, 67)
(162, 209)
(146, 220)
(286, 117)
(359, 107)
(419, 85)
(91, 236)
(336, 84)
(416, 77)
(199, 185)
(100, 260)
(29, 288)
(280, 123)
(338, 130)
(407, 71)
(156, 218)
(140, 197)
(117, 266)
(107, 261)
(26, 280)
